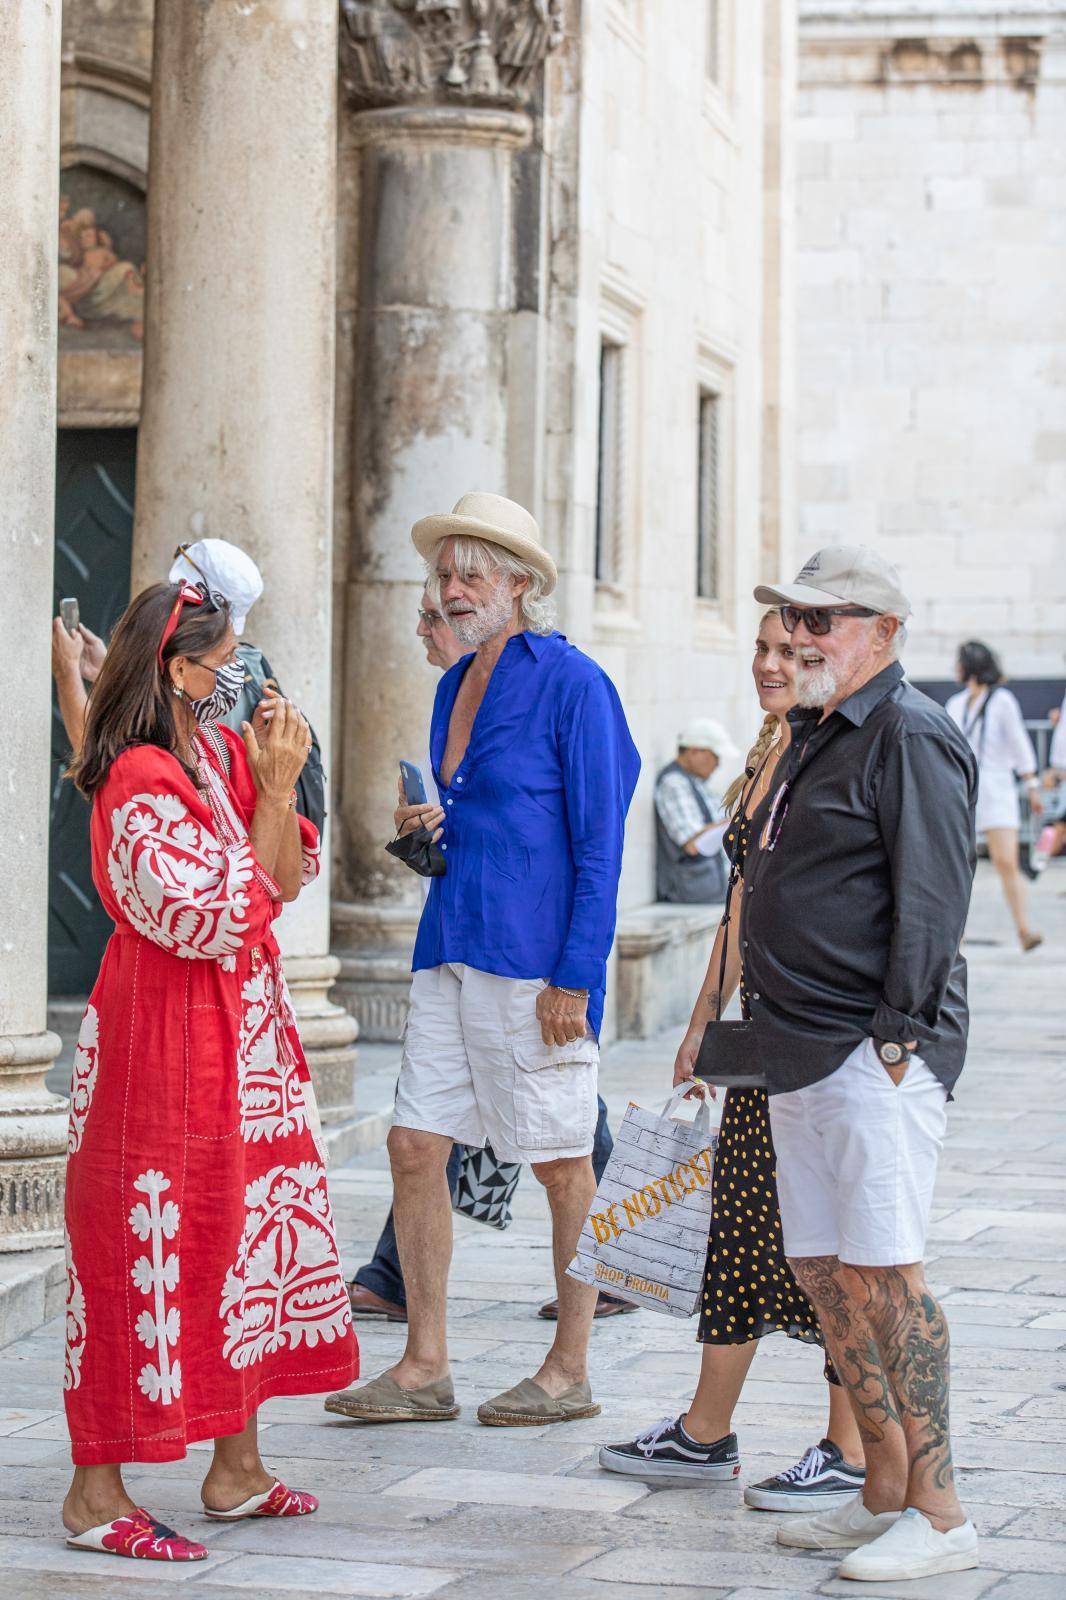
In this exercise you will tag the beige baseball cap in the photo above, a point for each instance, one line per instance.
(842, 574)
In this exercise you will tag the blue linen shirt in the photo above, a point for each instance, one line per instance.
(534, 819)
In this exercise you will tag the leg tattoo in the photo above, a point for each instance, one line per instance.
(852, 1346)
(912, 1339)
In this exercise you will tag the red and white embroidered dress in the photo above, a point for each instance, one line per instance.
(202, 1266)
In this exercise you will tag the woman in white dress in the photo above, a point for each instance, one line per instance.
(991, 719)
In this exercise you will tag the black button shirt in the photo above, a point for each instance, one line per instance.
(858, 891)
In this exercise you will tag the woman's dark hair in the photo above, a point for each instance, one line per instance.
(978, 662)
(131, 701)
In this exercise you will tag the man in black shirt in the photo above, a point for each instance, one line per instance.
(854, 908)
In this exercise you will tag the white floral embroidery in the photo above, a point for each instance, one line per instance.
(286, 1285)
(271, 1090)
(83, 1078)
(157, 1276)
(310, 859)
(76, 1327)
(175, 883)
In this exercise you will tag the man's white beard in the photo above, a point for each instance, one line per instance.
(814, 685)
(485, 622)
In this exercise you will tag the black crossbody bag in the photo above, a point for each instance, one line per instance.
(729, 1054)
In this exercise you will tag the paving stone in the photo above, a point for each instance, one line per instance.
(518, 1489)
(666, 1566)
(947, 1586)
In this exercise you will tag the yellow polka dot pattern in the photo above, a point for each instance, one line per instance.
(748, 1288)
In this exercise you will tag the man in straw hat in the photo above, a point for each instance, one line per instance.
(535, 767)
(854, 907)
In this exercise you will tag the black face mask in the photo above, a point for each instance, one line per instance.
(417, 851)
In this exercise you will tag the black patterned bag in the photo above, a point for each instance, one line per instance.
(484, 1186)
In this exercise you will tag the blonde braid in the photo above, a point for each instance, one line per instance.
(768, 736)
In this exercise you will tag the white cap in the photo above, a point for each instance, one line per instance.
(703, 733)
(225, 568)
(842, 574)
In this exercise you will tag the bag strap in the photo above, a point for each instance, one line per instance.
(702, 1120)
(740, 816)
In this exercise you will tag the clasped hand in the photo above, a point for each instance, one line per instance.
(278, 742)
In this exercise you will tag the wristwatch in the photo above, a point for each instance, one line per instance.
(891, 1054)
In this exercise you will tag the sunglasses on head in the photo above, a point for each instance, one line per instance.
(819, 619)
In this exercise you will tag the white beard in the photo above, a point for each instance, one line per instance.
(479, 626)
(814, 685)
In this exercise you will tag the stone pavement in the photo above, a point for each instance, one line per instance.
(468, 1513)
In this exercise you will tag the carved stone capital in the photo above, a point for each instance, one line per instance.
(446, 52)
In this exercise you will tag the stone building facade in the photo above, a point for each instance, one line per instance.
(932, 322)
(387, 252)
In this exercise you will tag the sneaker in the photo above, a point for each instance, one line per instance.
(844, 1528)
(667, 1451)
(819, 1478)
(912, 1548)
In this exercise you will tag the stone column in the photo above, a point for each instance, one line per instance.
(32, 1122)
(439, 100)
(237, 419)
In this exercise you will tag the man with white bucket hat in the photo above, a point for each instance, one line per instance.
(535, 768)
(690, 868)
(855, 901)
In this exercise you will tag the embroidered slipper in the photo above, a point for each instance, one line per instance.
(140, 1536)
(276, 1502)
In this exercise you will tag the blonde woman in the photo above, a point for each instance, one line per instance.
(748, 1289)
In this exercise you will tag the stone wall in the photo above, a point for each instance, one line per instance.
(657, 241)
(932, 320)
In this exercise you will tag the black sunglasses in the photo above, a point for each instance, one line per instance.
(819, 619)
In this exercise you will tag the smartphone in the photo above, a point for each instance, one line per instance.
(70, 614)
(413, 787)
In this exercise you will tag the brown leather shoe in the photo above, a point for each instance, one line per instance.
(606, 1306)
(365, 1303)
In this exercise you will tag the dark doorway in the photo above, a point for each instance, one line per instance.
(94, 541)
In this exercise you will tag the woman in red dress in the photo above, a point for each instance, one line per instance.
(202, 1267)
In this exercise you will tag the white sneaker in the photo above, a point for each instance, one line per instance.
(912, 1548)
(844, 1528)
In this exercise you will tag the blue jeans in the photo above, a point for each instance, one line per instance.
(383, 1277)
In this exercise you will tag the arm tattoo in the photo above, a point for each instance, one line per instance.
(714, 999)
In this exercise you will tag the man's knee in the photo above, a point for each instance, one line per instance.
(564, 1173)
(413, 1153)
(818, 1276)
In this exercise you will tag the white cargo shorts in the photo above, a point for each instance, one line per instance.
(476, 1069)
(856, 1161)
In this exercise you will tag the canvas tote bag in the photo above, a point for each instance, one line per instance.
(645, 1238)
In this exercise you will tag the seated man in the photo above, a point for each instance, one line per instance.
(690, 868)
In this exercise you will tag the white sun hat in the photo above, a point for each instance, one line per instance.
(704, 733)
(225, 568)
(494, 519)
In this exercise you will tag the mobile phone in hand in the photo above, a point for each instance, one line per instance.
(414, 789)
(70, 614)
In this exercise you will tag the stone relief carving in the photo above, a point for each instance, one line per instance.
(480, 52)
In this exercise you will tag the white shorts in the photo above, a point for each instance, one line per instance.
(476, 1069)
(997, 800)
(856, 1161)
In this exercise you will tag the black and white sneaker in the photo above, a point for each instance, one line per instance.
(667, 1451)
(820, 1478)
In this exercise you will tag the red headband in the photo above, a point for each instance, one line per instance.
(187, 595)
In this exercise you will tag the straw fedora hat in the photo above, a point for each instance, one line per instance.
(495, 520)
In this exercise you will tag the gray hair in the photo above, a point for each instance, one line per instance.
(899, 640)
(480, 558)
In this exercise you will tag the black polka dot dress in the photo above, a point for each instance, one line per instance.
(748, 1288)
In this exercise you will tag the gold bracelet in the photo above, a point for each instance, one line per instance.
(575, 994)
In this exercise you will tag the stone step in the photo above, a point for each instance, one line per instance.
(33, 1289)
